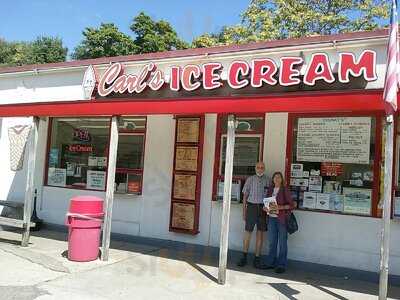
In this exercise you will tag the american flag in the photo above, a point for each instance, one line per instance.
(392, 80)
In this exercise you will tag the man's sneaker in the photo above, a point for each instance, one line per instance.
(242, 262)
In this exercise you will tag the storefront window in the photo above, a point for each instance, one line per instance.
(248, 151)
(332, 164)
(246, 154)
(78, 153)
(130, 157)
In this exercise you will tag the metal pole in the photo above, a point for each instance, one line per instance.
(223, 248)
(385, 238)
(32, 149)
(112, 161)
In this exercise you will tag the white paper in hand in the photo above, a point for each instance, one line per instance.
(267, 201)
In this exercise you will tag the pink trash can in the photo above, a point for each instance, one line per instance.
(84, 220)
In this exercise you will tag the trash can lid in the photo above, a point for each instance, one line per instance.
(86, 205)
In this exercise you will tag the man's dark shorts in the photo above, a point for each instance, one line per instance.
(255, 215)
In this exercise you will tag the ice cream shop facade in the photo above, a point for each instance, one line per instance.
(311, 108)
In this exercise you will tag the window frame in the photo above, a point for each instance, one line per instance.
(124, 132)
(224, 135)
(134, 171)
(218, 148)
(377, 159)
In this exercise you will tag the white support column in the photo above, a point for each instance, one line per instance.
(387, 204)
(112, 161)
(32, 151)
(223, 248)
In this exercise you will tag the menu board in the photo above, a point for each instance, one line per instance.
(184, 187)
(339, 139)
(357, 201)
(186, 158)
(183, 215)
(188, 130)
(185, 195)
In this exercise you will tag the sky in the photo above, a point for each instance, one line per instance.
(27, 19)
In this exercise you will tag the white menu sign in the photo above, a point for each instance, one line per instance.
(57, 177)
(96, 180)
(341, 139)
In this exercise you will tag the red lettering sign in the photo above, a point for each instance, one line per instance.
(80, 148)
(236, 70)
(211, 76)
(331, 169)
(189, 74)
(263, 72)
(257, 73)
(319, 68)
(365, 65)
(288, 75)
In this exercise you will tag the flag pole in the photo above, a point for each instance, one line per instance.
(385, 238)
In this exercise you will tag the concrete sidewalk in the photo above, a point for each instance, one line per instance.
(157, 270)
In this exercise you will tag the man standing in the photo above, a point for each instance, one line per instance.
(253, 213)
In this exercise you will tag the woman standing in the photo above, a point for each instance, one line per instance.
(278, 214)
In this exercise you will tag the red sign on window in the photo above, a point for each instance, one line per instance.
(80, 148)
(134, 187)
(81, 135)
(331, 169)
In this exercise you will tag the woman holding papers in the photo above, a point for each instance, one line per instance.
(278, 205)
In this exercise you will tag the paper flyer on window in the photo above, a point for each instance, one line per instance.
(96, 180)
(57, 177)
(339, 139)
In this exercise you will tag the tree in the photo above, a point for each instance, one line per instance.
(149, 36)
(155, 36)
(106, 40)
(21, 53)
(42, 50)
(280, 19)
(46, 50)
(6, 52)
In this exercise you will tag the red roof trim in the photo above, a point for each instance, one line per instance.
(202, 51)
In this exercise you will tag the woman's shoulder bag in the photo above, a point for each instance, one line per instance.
(291, 222)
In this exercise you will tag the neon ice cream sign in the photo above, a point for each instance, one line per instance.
(240, 74)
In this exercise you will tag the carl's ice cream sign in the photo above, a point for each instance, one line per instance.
(239, 74)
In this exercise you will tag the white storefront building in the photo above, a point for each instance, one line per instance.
(276, 121)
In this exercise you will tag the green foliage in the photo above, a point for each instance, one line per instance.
(106, 40)
(280, 19)
(155, 36)
(149, 36)
(7, 51)
(206, 40)
(46, 50)
(42, 50)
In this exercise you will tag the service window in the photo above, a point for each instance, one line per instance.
(130, 156)
(248, 151)
(78, 152)
(333, 163)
